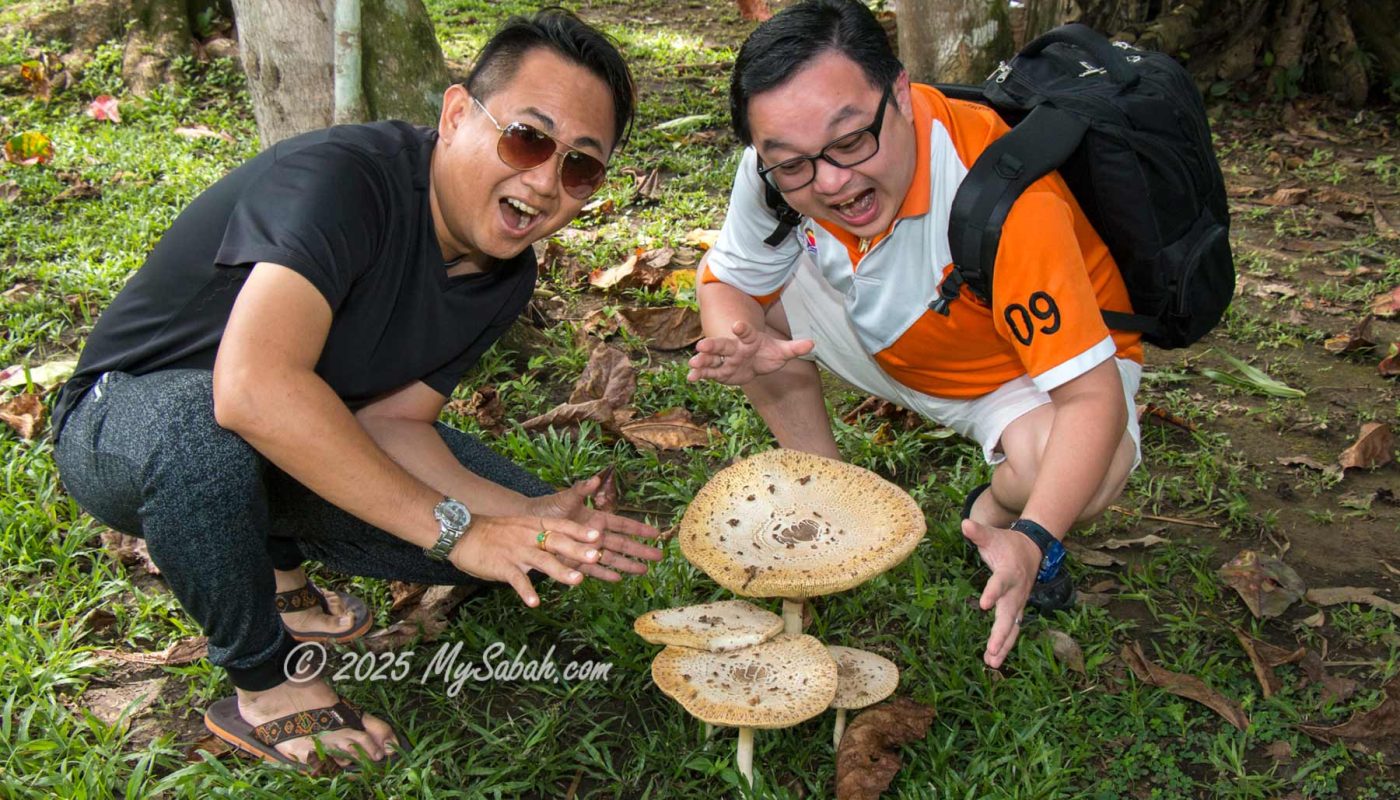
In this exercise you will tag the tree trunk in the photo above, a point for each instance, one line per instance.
(288, 55)
(955, 41)
(1377, 27)
(160, 33)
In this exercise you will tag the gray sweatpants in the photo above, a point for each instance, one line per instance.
(144, 455)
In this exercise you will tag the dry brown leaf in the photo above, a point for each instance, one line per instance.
(606, 279)
(1302, 461)
(1315, 621)
(880, 408)
(1363, 595)
(1334, 689)
(1385, 228)
(1390, 365)
(210, 744)
(1153, 412)
(648, 185)
(1092, 557)
(185, 651)
(1281, 752)
(1387, 304)
(1370, 732)
(1266, 584)
(1093, 599)
(97, 621)
(672, 429)
(485, 406)
(9, 192)
(128, 701)
(868, 757)
(1067, 650)
(1264, 657)
(701, 238)
(1359, 337)
(401, 633)
(569, 415)
(45, 375)
(1271, 289)
(1149, 540)
(20, 291)
(1183, 686)
(404, 594)
(608, 376)
(663, 328)
(1286, 197)
(24, 413)
(129, 550)
(606, 497)
(1372, 448)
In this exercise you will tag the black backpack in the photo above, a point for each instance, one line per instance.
(1127, 130)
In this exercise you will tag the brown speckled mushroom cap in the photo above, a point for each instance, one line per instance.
(790, 524)
(721, 626)
(777, 684)
(862, 678)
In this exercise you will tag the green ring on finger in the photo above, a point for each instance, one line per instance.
(541, 538)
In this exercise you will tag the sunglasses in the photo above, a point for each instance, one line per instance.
(525, 147)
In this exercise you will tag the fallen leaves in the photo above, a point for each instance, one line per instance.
(1386, 304)
(426, 621)
(868, 757)
(1359, 337)
(129, 551)
(1264, 657)
(1331, 596)
(45, 375)
(184, 651)
(663, 328)
(1067, 651)
(124, 701)
(24, 413)
(1373, 448)
(201, 132)
(1266, 584)
(1286, 197)
(672, 429)
(1371, 732)
(28, 149)
(609, 375)
(1181, 685)
(105, 108)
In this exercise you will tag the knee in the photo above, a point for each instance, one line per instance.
(1115, 481)
(192, 449)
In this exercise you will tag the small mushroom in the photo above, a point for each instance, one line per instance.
(777, 684)
(862, 679)
(794, 525)
(717, 627)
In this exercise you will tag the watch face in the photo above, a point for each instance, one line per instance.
(453, 514)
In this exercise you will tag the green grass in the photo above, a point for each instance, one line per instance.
(1033, 730)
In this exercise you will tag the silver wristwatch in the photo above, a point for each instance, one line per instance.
(453, 519)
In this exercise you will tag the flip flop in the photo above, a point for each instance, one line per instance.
(223, 720)
(308, 596)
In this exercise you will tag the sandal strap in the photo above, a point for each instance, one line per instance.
(307, 723)
(301, 598)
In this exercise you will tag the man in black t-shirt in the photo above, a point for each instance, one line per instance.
(266, 388)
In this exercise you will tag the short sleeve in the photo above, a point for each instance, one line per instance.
(319, 211)
(1044, 302)
(740, 257)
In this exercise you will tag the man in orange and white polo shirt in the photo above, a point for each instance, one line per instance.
(872, 162)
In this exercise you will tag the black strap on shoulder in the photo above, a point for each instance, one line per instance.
(1038, 145)
(787, 215)
(1120, 321)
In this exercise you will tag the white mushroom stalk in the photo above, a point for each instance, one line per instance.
(862, 679)
(792, 615)
(776, 684)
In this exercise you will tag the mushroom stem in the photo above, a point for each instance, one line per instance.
(709, 731)
(792, 615)
(840, 729)
(745, 757)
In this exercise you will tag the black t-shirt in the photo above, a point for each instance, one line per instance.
(346, 207)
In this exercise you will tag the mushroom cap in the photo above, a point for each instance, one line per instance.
(777, 684)
(790, 524)
(721, 626)
(862, 678)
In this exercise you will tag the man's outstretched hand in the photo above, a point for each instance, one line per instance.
(738, 359)
(619, 551)
(1014, 560)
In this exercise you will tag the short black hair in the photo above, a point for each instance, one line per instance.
(783, 45)
(560, 31)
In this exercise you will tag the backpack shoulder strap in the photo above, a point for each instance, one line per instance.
(1036, 146)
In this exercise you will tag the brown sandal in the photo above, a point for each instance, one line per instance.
(224, 721)
(308, 596)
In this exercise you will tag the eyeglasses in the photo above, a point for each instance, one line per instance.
(854, 148)
(525, 147)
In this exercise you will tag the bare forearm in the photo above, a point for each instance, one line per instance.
(1082, 442)
(299, 424)
(417, 447)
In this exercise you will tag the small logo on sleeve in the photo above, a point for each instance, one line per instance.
(811, 239)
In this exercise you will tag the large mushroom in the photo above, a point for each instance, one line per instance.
(862, 679)
(790, 524)
(720, 626)
(776, 684)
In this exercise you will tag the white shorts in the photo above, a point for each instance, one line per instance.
(816, 311)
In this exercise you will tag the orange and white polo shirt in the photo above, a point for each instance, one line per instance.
(1053, 272)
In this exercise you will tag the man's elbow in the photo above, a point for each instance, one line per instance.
(235, 398)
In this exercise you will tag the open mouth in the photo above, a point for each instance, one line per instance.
(859, 210)
(518, 215)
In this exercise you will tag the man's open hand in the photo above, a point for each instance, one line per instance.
(747, 354)
(618, 551)
(1014, 560)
